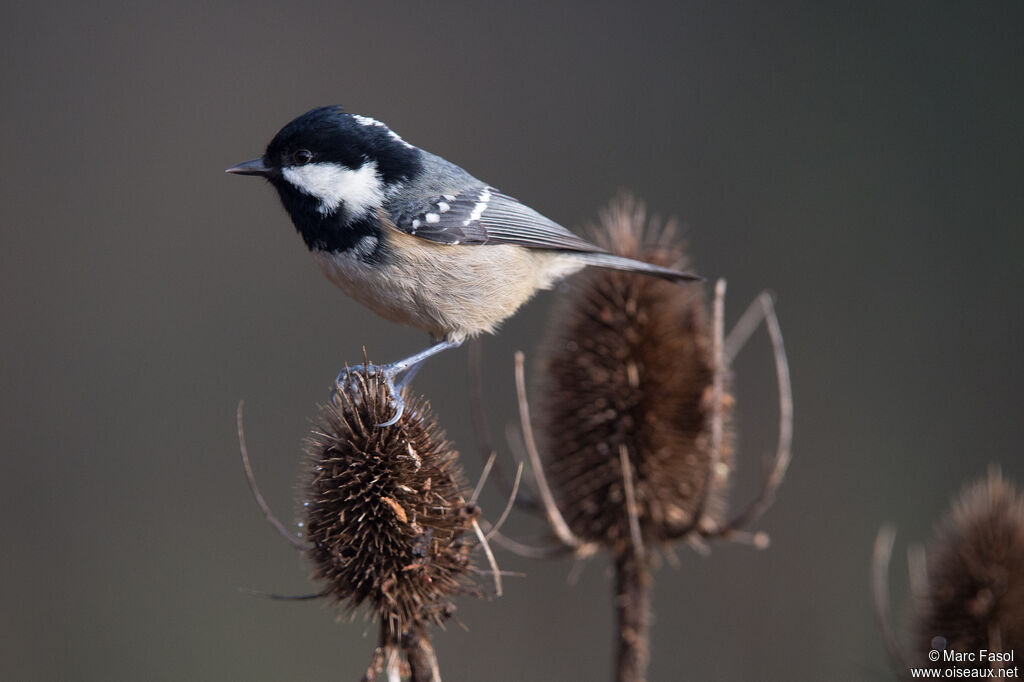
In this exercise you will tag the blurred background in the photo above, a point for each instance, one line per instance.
(864, 161)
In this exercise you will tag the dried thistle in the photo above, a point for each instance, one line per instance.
(629, 365)
(969, 592)
(636, 417)
(386, 522)
(975, 597)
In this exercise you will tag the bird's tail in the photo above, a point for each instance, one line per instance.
(607, 260)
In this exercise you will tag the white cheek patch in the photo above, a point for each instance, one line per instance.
(361, 190)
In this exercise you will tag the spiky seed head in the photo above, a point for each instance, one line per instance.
(628, 362)
(975, 595)
(385, 512)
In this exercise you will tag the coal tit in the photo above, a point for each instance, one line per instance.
(415, 238)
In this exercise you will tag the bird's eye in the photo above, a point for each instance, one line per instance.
(302, 157)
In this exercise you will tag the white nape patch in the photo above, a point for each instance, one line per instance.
(443, 207)
(361, 190)
(367, 121)
(432, 218)
(481, 206)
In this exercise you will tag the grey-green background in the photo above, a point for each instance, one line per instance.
(862, 160)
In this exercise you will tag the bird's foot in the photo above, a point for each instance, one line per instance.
(345, 382)
(406, 369)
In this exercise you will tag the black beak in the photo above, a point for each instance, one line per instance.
(254, 167)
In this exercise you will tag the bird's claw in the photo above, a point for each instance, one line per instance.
(343, 384)
(399, 405)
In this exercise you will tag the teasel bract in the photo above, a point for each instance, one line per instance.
(634, 415)
(387, 523)
(968, 586)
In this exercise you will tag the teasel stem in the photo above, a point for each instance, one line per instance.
(419, 652)
(632, 615)
(632, 590)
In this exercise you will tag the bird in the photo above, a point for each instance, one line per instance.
(414, 237)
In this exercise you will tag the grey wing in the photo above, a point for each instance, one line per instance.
(486, 216)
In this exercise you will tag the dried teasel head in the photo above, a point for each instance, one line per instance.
(387, 521)
(635, 418)
(975, 578)
(627, 377)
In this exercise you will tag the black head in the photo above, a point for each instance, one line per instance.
(329, 135)
(333, 169)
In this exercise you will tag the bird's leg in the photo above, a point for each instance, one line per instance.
(414, 368)
(391, 372)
